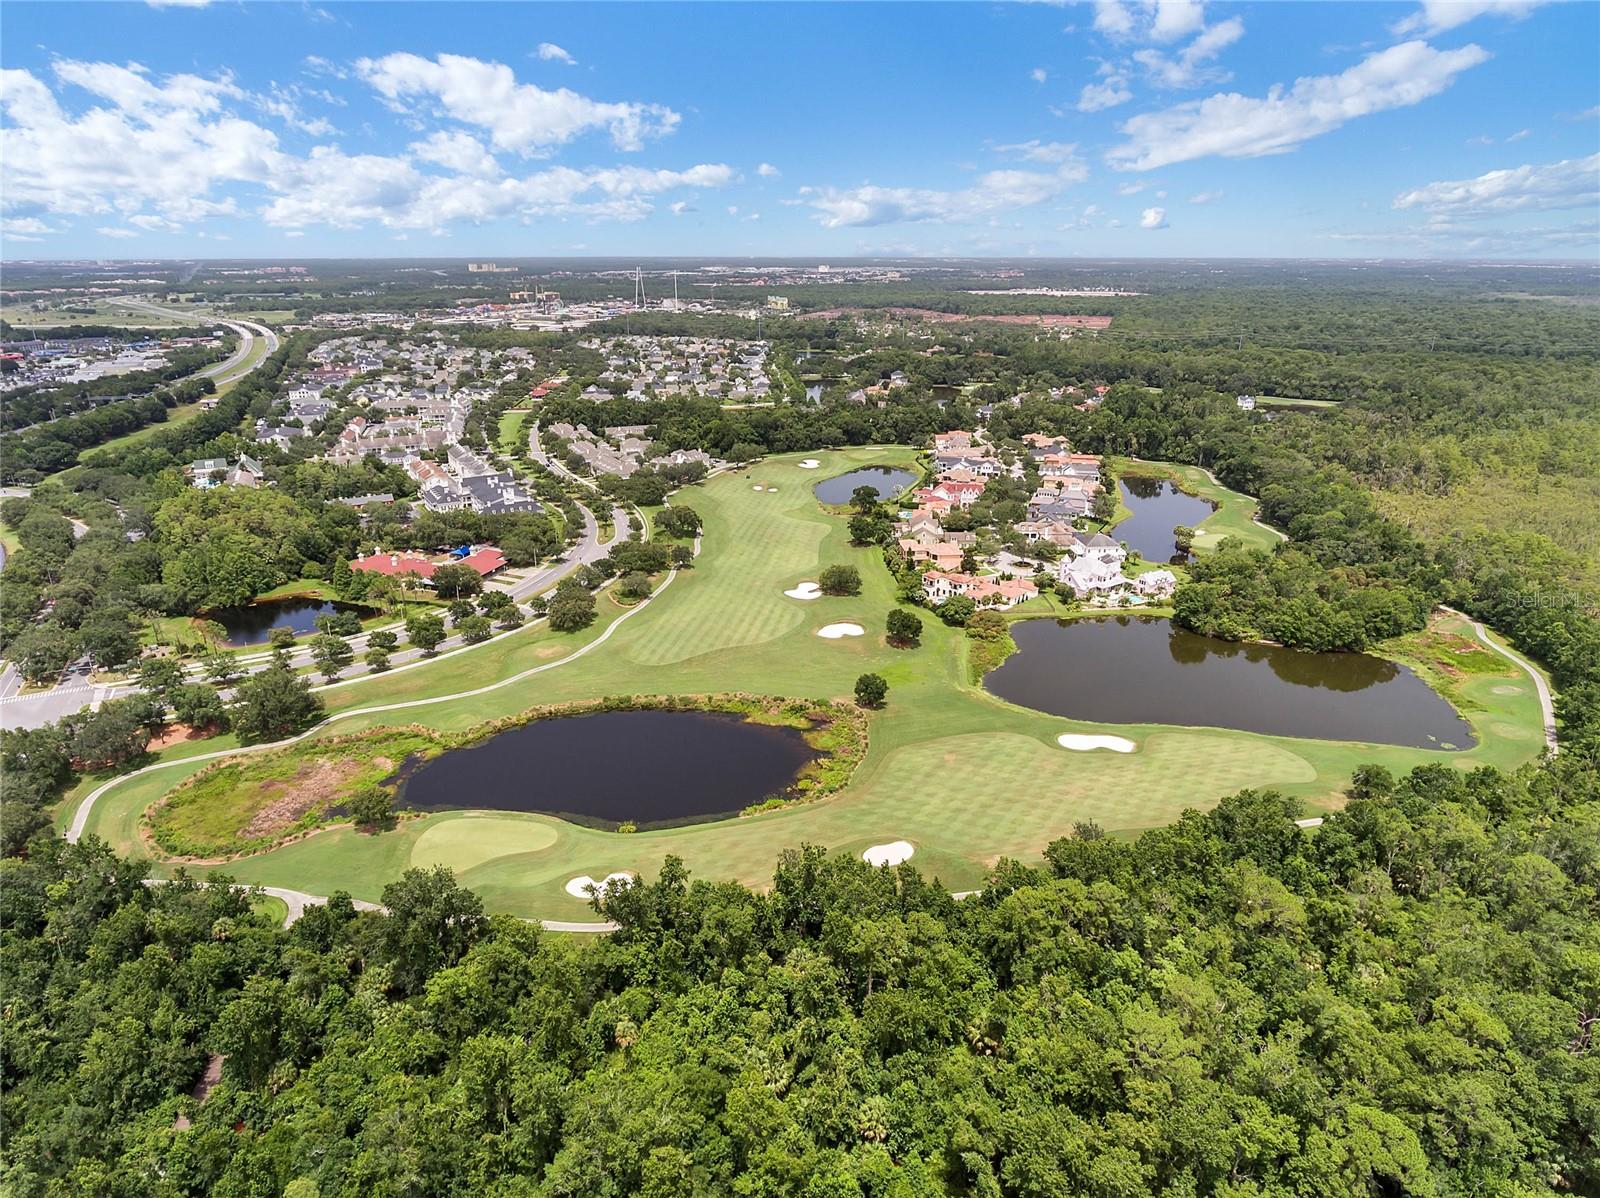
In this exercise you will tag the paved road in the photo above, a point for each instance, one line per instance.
(234, 367)
(45, 707)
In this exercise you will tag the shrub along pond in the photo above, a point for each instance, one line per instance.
(1128, 670)
(888, 481)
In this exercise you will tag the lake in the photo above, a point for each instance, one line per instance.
(252, 624)
(1158, 507)
(886, 480)
(1130, 670)
(651, 767)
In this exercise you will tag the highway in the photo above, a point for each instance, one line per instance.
(237, 365)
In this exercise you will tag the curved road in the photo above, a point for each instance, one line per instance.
(80, 818)
(234, 367)
(1546, 701)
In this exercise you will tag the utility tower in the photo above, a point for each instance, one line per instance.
(638, 287)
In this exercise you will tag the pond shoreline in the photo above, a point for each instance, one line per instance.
(835, 731)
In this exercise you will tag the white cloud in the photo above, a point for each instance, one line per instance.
(1205, 197)
(1518, 135)
(163, 153)
(1176, 19)
(1456, 241)
(733, 210)
(518, 116)
(177, 3)
(1107, 93)
(1189, 68)
(1436, 16)
(1038, 74)
(1570, 183)
(456, 151)
(1236, 126)
(1113, 18)
(1153, 218)
(991, 194)
(113, 231)
(1130, 189)
(24, 226)
(1060, 154)
(679, 207)
(294, 233)
(550, 52)
(767, 171)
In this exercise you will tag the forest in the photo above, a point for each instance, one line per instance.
(1404, 1001)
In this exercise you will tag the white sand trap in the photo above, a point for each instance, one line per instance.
(581, 886)
(758, 487)
(892, 853)
(1073, 740)
(804, 590)
(833, 632)
(810, 464)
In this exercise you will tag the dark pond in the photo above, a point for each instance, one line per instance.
(1158, 507)
(253, 623)
(887, 480)
(651, 767)
(1146, 671)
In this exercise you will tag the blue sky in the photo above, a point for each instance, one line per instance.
(1160, 128)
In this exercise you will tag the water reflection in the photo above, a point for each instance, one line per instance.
(1131, 670)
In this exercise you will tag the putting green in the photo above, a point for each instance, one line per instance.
(470, 840)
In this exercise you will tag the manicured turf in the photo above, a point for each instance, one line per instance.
(963, 776)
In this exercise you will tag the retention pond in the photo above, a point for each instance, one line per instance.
(886, 480)
(649, 768)
(1128, 670)
(1157, 508)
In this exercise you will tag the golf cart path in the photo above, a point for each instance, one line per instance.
(1547, 704)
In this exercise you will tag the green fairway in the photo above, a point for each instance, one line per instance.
(966, 778)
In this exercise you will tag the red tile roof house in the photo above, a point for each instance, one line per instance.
(961, 494)
(952, 440)
(939, 585)
(486, 560)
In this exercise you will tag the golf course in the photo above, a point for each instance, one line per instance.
(964, 777)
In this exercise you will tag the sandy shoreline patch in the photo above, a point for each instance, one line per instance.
(892, 853)
(833, 632)
(804, 590)
(1082, 743)
(581, 886)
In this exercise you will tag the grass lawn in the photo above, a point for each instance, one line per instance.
(275, 909)
(967, 778)
(512, 437)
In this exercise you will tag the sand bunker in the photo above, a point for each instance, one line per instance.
(810, 464)
(581, 886)
(892, 853)
(1117, 744)
(758, 487)
(832, 632)
(804, 590)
